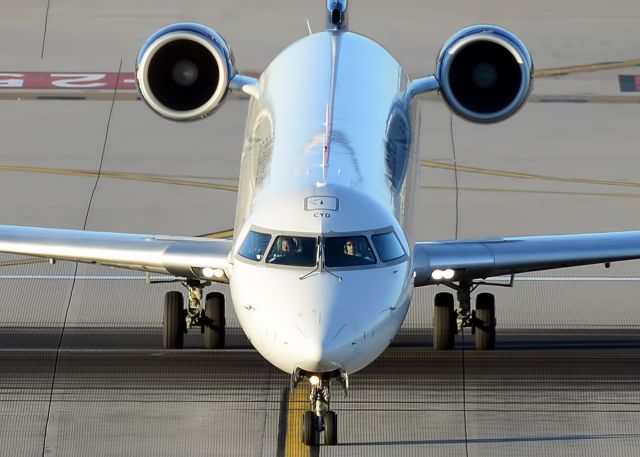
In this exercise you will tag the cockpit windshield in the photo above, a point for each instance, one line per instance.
(388, 246)
(347, 251)
(254, 246)
(293, 250)
(336, 251)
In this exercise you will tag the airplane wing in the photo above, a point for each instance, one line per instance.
(482, 258)
(187, 257)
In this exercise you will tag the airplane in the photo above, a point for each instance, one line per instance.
(323, 260)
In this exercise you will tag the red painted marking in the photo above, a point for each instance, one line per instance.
(67, 80)
(638, 83)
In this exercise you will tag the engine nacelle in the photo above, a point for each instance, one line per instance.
(183, 71)
(484, 73)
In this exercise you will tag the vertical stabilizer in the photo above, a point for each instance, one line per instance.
(337, 15)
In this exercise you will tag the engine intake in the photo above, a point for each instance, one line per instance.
(484, 73)
(183, 71)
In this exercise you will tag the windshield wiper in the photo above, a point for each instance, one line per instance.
(320, 267)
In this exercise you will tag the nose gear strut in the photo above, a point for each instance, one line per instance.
(319, 418)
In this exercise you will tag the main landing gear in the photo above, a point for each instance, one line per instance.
(319, 418)
(178, 320)
(447, 321)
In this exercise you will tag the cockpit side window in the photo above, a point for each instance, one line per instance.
(388, 246)
(348, 251)
(254, 246)
(293, 250)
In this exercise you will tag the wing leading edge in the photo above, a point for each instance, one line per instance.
(475, 259)
(179, 256)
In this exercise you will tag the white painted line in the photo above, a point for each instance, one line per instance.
(567, 278)
(142, 351)
(88, 277)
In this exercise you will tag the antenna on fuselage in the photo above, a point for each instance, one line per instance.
(337, 15)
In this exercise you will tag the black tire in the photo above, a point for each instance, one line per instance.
(173, 324)
(444, 322)
(309, 428)
(330, 428)
(485, 322)
(214, 325)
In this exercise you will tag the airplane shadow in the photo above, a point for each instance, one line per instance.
(110, 337)
(535, 339)
(531, 439)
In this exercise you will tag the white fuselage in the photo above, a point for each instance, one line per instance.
(330, 150)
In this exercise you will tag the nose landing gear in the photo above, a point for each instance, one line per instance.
(319, 418)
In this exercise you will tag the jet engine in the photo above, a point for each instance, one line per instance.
(183, 71)
(484, 73)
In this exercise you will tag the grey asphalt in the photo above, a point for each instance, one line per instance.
(81, 366)
(105, 393)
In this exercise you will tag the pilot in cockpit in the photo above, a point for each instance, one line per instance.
(285, 247)
(357, 249)
(351, 247)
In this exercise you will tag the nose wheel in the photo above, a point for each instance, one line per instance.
(330, 420)
(312, 425)
(309, 428)
(319, 419)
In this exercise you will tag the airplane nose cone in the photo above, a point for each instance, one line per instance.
(316, 356)
(322, 322)
(317, 345)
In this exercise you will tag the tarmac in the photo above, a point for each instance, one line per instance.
(82, 371)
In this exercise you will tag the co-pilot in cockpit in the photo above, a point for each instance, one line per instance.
(293, 250)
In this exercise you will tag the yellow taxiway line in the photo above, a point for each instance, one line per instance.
(234, 188)
(592, 99)
(589, 68)
(537, 192)
(528, 176)
(141, 177)
(297, 404)
(16, 262)
(219, 235)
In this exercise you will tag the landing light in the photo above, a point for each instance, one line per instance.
(209, 272)
(439, 275)
(314, 380)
